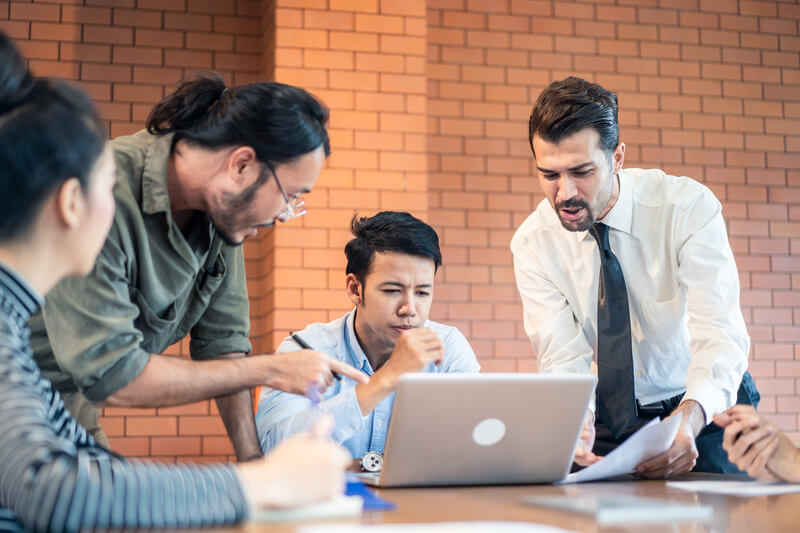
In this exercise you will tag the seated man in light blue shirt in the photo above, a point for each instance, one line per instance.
(391, 264)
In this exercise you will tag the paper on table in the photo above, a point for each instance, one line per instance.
(654, 438)
(339, 507)
(439, 527)
(745, 489)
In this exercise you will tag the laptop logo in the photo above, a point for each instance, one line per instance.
(489, 432)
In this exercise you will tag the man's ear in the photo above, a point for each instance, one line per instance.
(69, 203)
(619, 157)
(243, 165)
(354, 289)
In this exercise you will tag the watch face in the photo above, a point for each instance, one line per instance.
(372, 462)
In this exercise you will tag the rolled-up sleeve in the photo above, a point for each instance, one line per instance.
(224, 327)
(90, 326)
(719, 343)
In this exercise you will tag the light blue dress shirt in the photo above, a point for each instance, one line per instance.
(281, 414)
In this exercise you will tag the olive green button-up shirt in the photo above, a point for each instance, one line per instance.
(151, 286)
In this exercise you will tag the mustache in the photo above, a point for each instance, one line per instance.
(572, 203)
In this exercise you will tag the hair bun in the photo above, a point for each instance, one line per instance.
(16, 81)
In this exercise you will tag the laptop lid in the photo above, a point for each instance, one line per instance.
(472, 429)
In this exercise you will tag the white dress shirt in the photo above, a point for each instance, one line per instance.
(687, 329)
(280, 414)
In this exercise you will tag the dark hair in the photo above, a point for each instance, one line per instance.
(49, 132)
(280, 122)
(389, 231)
(570, 105)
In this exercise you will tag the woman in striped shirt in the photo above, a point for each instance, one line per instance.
(56, 206)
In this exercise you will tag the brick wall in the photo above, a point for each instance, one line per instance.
(430, 115)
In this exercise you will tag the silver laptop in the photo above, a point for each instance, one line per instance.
(483, 429)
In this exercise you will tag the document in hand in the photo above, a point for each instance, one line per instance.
(652, 439)
(618, 509)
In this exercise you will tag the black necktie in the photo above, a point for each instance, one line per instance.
(616, 400)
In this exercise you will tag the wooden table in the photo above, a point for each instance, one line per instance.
(731, 514)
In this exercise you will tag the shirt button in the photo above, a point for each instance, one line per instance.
(638, 374)
(380, 423)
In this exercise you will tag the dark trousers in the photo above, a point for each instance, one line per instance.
(712, 458)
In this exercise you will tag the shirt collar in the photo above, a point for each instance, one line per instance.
(620, 216)
(356, 352)
(155, 195)
(23, 298)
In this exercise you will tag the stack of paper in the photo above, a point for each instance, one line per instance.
(611, 509)
(745, 489)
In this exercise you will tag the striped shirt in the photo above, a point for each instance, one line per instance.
(53, 477)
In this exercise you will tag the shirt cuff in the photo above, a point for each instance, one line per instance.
(125, 370)
(204, 350)
(708, 396)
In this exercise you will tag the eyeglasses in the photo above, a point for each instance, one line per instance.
(294, 205)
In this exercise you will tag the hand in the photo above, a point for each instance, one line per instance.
(583, 454)
(301, 470)
(298, 372)
(757, 446)
(415, 349)
(682, 455)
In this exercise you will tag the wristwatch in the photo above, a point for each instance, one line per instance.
(371, 462)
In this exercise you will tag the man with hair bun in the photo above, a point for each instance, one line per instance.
(391, 263)
(214, 165)
(56, 207)
(629, 273)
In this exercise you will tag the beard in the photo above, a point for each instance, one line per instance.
(229, 215)
(581, 224)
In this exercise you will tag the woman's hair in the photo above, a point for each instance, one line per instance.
(49, 132)
(280, 122)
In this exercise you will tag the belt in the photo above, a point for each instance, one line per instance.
(659, 408)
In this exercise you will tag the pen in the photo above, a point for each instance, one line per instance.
(303, 344)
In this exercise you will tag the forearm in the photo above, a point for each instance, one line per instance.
(694, 417)
(167, 381)
(369, 395)
(785, 462)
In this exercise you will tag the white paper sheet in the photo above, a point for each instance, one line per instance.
(654, 438)
(745, 489)
(439, 527)
(339, 507)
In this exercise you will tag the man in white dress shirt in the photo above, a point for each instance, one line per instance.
(391, 264)
(629, 273)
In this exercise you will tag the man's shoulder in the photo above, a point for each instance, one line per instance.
(540, 223)
(654, 187)
(321, 336)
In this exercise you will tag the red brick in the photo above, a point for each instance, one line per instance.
(107, 34)
(57, 32)
(35, 12)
